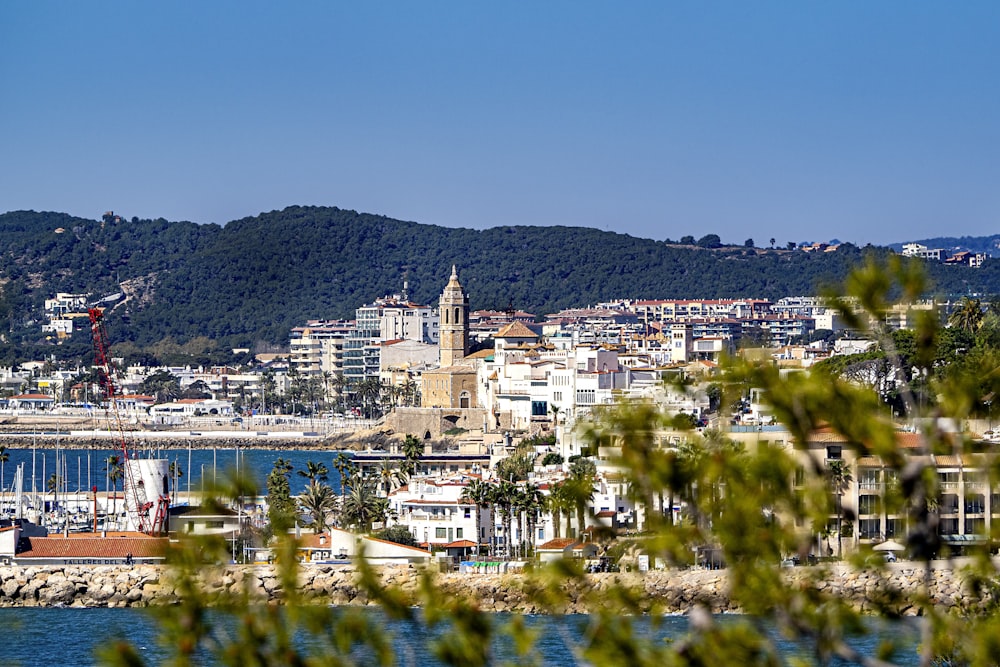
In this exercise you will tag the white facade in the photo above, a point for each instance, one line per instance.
(433, 511)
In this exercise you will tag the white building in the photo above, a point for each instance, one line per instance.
(435, 514)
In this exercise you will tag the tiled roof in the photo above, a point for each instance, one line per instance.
(515, 330)
(91, 546)
(948, 461)
(460, 544)
(560, 543)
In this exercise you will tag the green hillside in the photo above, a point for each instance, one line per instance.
(247, 283)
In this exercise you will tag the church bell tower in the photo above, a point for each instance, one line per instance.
(453, 322)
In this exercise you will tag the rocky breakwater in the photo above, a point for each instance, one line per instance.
(669, 591)
(98, 586)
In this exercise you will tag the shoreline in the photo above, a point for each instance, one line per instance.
(666, 592)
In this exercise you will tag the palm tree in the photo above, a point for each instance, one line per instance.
(580, 485)
(369, 393)
(555, 503)
(345, 468)
(326, 377)
(314, 472)
(268, 388)
(364, 506)
(390, 476)
(503, 498)
(409, 392)
(339, 383)
(319, 501)
(839, 476)
(413, 449)
(479, 493)
(115, 471)
(968, 316)
(531, 500)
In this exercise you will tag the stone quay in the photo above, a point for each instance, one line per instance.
(663, 591)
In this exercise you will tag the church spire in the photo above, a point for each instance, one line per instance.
(453, 318)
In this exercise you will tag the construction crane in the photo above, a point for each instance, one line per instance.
(138, 507)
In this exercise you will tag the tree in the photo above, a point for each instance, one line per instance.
(840, 478)
(772, 242)
(790, 245)
(687, 240)
(413, 449)
(479, 493)
(197, 389)
(582, 475)
(530, 502)
(320, 502)
(164, 385)
(115, 471)
(399, 534)
(968, 316)
(748, 243)
(390, 476)
(345, 469)
(502, 498)
(314, 472)
(281, 507)
(268, 389)
(363, 506)
(710, 241)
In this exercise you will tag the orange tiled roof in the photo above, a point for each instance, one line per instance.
(90, 546)
(516, 330)
(560, 543)
(460, 544)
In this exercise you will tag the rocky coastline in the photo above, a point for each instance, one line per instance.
(670, 591)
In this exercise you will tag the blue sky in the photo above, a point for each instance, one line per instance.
(869, 122)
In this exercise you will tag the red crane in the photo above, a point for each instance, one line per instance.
(137, 504)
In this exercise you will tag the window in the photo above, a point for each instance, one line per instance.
(975, 504)
(215, 524)
(868, 529)
(868, 505)
(468, 512)
(439, 533)
(834, 452)
(975, 526)
(949, 503)
(948, 527)
(458, 533)
(868, 479)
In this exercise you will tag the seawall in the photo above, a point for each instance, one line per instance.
(671, 591)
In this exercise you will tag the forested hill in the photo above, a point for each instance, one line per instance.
(252, 280)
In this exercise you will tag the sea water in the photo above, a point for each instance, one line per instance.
(69, 637)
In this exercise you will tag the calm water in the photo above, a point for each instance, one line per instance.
(86, 468)
(70, 636)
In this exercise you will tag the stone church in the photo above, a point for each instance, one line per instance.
(453, 384)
